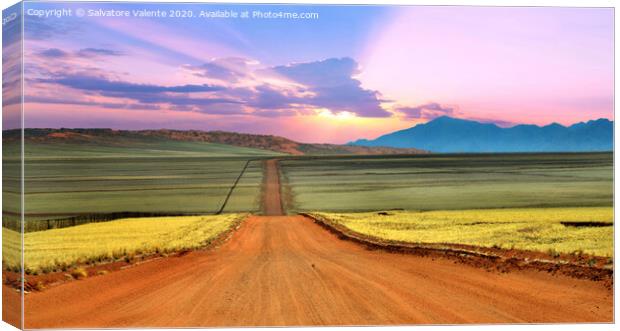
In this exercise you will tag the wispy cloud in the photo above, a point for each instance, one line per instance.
(148, 96)
(95, 52)
(90, 103)
(427, 111)
(497, 122)
(230, 69)
(100, 84)
(55, 53)
(432, 110)
(38, 28)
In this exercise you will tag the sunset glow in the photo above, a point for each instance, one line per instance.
(355, 72)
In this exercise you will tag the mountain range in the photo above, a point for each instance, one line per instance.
(452, 135)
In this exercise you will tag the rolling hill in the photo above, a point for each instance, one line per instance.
(452, 135)
(181, 141)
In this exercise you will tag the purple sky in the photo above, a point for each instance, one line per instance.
(355, 72)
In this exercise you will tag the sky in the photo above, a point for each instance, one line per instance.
(352, 72)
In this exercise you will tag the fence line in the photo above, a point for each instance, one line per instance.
(232, 188)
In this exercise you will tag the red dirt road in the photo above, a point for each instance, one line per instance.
(287, 270)
(272, 202)
(11, 306)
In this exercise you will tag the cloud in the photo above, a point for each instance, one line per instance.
(230, 69)
(235, 85)
(294, 88)
(173, 99)
(273, 113)
(71, 101)
(427, 111)
(95, 52)
(148, 96)
(433, 110)
(55, 53)
(325, 73)
(100, 84)
(13, 100)
(40, 28)
(497, 122)
(331, 84)
(269, 97)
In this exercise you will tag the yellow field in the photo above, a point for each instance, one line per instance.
(58, 248)
(536, 229)
(11, 249)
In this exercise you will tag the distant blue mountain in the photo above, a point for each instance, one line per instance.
(452, 135)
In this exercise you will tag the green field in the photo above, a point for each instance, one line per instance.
(46, 251)
(173, 177)
(444, 182)
(166, 184)
(537, 229)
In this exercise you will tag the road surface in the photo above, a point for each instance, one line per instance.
(272, 202)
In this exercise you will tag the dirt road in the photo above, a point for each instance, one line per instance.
(287, 270)
(272, 202)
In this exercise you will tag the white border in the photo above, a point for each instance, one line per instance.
(534, 3)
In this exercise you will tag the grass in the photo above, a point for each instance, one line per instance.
(11, 250)
(65, 179)
(537, 229)
(442, 182)
(58, 249)
(79, 273)
(137, 185)
(118, 147)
